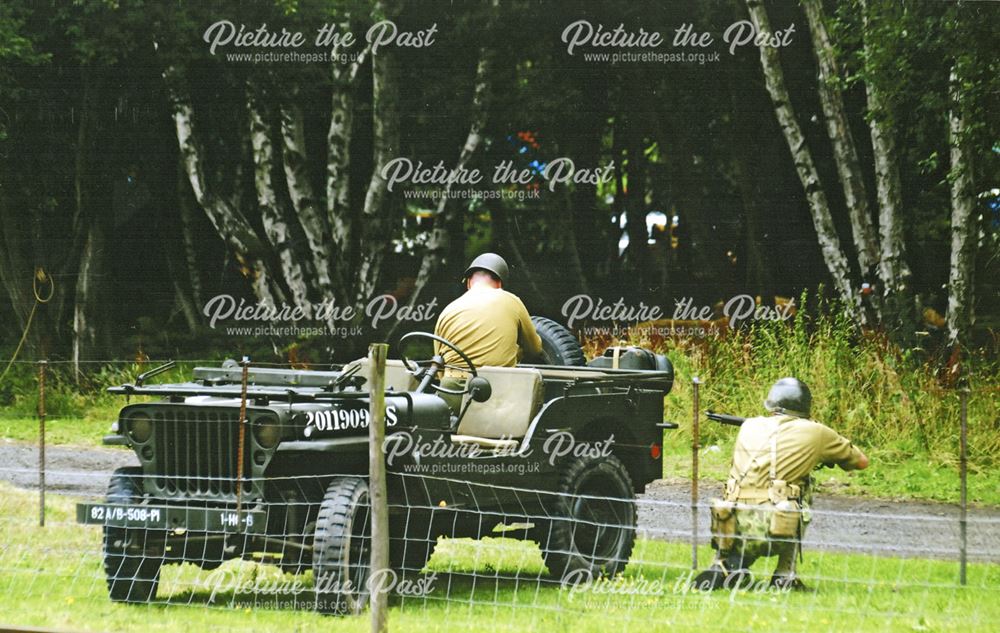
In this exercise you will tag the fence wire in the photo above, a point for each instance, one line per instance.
(486, 557)
(474, 544)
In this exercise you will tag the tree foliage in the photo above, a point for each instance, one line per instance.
(148, 174)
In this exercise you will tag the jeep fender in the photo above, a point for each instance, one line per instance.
(629, 419)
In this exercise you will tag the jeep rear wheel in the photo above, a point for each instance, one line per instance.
(133, 574)
(342, 547)
(559, 346)
(592, 528)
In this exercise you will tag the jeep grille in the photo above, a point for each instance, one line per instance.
(196, 452)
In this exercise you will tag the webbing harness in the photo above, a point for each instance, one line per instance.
(734, 489)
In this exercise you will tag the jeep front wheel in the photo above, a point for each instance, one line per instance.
(132, 557)
(342, 547)
(591, 531)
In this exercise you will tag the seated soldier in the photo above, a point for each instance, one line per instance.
(488, 323)
(766, 506)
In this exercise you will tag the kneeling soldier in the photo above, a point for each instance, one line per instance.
(765, 509)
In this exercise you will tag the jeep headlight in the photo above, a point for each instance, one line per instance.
(267, 433)
(140, 427)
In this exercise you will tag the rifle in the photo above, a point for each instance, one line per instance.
(731, 420)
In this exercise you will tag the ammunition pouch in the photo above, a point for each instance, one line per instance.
(782, 499)
(785, 519)
(786, 516)
(723, 524)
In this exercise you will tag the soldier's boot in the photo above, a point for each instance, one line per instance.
(730, 572)
(787, 582)
(712, 578)
(740, 576)
(784, 578)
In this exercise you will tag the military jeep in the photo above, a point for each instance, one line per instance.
(552, 452)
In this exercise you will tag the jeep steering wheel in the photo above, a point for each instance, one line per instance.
(436, 363)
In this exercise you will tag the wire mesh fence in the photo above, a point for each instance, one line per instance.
(508, 561)
(177, 530)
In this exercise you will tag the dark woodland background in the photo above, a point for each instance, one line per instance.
(145, 175)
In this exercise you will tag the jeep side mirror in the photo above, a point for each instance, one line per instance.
(480, 389)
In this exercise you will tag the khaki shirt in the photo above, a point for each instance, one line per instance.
(490, 325)
(801, 445)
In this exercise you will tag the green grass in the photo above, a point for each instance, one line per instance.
(78, 412)
(51, 577)
(83, 395)
(59, 431)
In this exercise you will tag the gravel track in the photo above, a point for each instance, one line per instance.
(842, 523)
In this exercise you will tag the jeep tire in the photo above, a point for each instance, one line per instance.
(559, 346)
(342, 547)
(132, 557)
(590, 531)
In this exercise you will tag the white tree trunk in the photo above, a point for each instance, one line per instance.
(338, 162)
(964, 223)
(894, 272)
(225, 217)
(844, 151)
(263, 287)
(84, 330)
(300, 190)
(826, 233)
(187, 236)
(377, 226)
(278, 230)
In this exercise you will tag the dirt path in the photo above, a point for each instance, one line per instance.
(840, 523)
(72, 471)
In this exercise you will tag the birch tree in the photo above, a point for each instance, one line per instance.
(964, 220)
(311, 243)
(223, 211)
(377, 218)
(845, 153)
(893, 269)
(446, 215)
(819, 207)
(318, 243)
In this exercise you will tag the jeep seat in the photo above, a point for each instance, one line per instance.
(396, 376)
(503, 420)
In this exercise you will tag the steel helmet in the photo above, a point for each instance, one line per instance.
(790, 396)
(490, 262)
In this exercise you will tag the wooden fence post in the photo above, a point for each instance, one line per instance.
(963, 468)
(695, 447)
(42, 366)
(377, 354)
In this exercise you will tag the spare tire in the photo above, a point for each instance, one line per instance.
(559, 346)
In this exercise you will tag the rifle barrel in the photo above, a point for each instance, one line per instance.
(732, 420)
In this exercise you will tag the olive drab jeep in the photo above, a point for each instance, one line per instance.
(558, 450)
